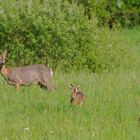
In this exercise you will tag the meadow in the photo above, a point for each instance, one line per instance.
(111, 110)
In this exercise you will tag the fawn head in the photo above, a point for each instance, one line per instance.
(3, 58)
(74, 89)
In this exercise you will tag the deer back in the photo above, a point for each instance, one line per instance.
(29, 74)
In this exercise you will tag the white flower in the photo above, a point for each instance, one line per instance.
(26, 129)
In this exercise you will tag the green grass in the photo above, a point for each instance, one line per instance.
(111, 110)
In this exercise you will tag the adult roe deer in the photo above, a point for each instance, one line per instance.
(26, 75)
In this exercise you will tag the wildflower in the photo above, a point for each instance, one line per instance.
(26, 130)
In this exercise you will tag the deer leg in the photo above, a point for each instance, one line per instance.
(47, 85)
(17, 87)
(41, 85)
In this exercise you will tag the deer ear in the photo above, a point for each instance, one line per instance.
(71, 86)
(4, 54)
(77, 87)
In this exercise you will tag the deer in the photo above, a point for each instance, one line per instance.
(77, 97)
(27, 75)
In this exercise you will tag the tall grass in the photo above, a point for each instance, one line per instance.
(111, 110)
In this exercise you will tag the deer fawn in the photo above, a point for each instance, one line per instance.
(77, 97)
(26, 75)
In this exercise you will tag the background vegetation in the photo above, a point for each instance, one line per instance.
(111, 110)
(60, 34)
(93, 41)
(124, 13)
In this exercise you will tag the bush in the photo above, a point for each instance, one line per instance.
(111, 12)
(56, 33)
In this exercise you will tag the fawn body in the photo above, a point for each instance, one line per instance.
(26, 75)
(77, 97)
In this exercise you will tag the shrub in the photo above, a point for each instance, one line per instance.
(56, 33)
(112, 12)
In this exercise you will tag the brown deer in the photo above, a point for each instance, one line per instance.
(77, 97)
(26, 75)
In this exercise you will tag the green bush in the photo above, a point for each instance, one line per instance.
(56, 33)
(114, 12)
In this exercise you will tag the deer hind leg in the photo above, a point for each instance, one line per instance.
(17, 87)
(42, 86)
(45, 83)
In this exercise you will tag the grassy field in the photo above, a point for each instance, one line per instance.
(111, 110)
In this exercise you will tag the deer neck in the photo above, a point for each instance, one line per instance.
(5, 71)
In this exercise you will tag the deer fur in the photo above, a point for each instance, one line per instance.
(26, 75)
(77, 97)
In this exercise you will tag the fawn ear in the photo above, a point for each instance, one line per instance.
(4, 54)
(71, 86)
(77, 87)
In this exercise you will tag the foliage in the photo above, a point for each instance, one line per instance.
(112, 12)
(111, 110)
(57, 33)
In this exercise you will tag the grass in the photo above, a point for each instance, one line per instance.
(111, 110)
